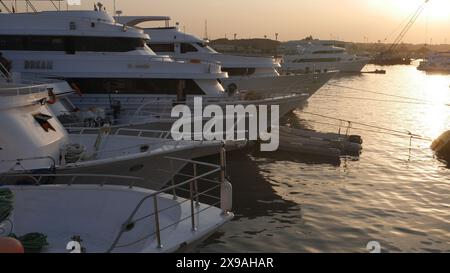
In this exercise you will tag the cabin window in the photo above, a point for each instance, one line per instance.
(11, 43)
(70, 44)
(107, 44)
(317, 60)
(204, 45)
(162, 47)
(329, 52)
(134, 86)
(239, 71)
(185, 48)
(42, 43)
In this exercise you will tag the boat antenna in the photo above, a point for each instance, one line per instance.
(28, 5)
(205, 36)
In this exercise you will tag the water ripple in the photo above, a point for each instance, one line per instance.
(396, 194)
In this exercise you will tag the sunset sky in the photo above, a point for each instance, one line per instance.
(350, 20)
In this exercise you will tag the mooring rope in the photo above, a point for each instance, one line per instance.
(385, 94)
(376, 100)
(387, 130)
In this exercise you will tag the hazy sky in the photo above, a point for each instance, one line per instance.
(351, 20)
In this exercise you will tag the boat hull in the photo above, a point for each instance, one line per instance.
(303, 83)
(161, 108)
(156, 169)
(98, 219)
(344, 66)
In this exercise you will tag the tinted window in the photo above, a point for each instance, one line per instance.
(162, 47)
(185, 48)
(41, 43)
(318, 60)
(239, 71)
(134, 86)
(107, 44)
(70, 44)
(12, 43)
(329, 52)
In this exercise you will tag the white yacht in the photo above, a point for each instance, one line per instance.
(111, 64)
(104, 218)
(86, 211)
(293, 44)
(34, 141)
(436, 62)
(245, 73)
(318, 57)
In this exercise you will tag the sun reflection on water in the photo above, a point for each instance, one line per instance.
(436, 114)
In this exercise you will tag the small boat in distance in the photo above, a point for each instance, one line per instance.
(436, 62)
(317, 57)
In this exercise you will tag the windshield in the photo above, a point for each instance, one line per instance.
(147, 48)
(204, 45)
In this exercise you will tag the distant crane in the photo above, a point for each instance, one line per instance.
(382, 58)
(408, 26)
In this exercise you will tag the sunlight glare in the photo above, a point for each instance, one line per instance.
(435, 9)
(436, 115)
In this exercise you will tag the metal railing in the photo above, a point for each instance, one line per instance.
(184, 188)
(164, 136)
(23, 86)
(162, 106)
(104, 132)
(70, 178)
(19, 161)
(17, 90)
(193, 198)
(29, 5)
(121, 132)
(4, 73)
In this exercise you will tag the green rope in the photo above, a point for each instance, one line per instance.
(6, 204)
(32, 242)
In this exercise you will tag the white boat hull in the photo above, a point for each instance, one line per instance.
(155, 168)
(101, 213)
(162, 107)
(304, 83)
(344, 66)
(434, 69)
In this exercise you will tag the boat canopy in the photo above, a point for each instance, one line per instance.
(136, 20)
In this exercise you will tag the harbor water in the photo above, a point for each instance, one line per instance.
(397, 193)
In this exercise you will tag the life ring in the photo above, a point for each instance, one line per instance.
(10, 245)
